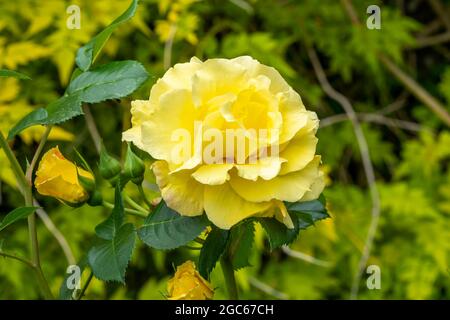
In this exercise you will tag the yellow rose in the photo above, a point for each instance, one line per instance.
(188, 284)
(266, 140)
(57, 177)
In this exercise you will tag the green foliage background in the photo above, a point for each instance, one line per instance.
(412, 245)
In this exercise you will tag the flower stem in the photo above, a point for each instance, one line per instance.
(228, 274)
(25, 186)
(127, 210)
(134, 204)
(17, 169)
(86, 285)
(141, 191)
(43, 284)
(29, 173)
(14, 257)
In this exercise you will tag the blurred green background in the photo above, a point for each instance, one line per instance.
(409, 144)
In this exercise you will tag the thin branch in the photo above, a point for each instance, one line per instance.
(415, 88)
(351, 12)
(399, 103)
(390, 122)
(443, 51)
(367, 163)
(168, 47)
(144, 197)
(244, 5)
(441, 12)
(229, 276)
(374, 118)
(25, 188)
(92, 127)
(56, 233)
(432, 40)
(267, 289)
(134, 204)
(127, 210)
(430, 28)
(307, 258)
(15, 166)
(17, 258)
(86, 285)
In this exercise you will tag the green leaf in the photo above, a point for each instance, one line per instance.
(212, 249)
(315, 208)
(303, 215)
(75, 74)
(109, 81)
(109, 228)
(241, 243)
(308, 212)
(15, 215)
(277, 233)
(109, 258)
(87, 54)
(35, 117)
(165, 229)
(63, 109)
(14, 74)
(64, 292)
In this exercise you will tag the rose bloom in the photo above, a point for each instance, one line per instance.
(222, 94)
(188, 284)
(57, 177)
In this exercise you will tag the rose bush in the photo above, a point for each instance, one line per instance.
(275, 162)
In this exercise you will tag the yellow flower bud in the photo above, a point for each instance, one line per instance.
(188, 284)
(57, 177)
